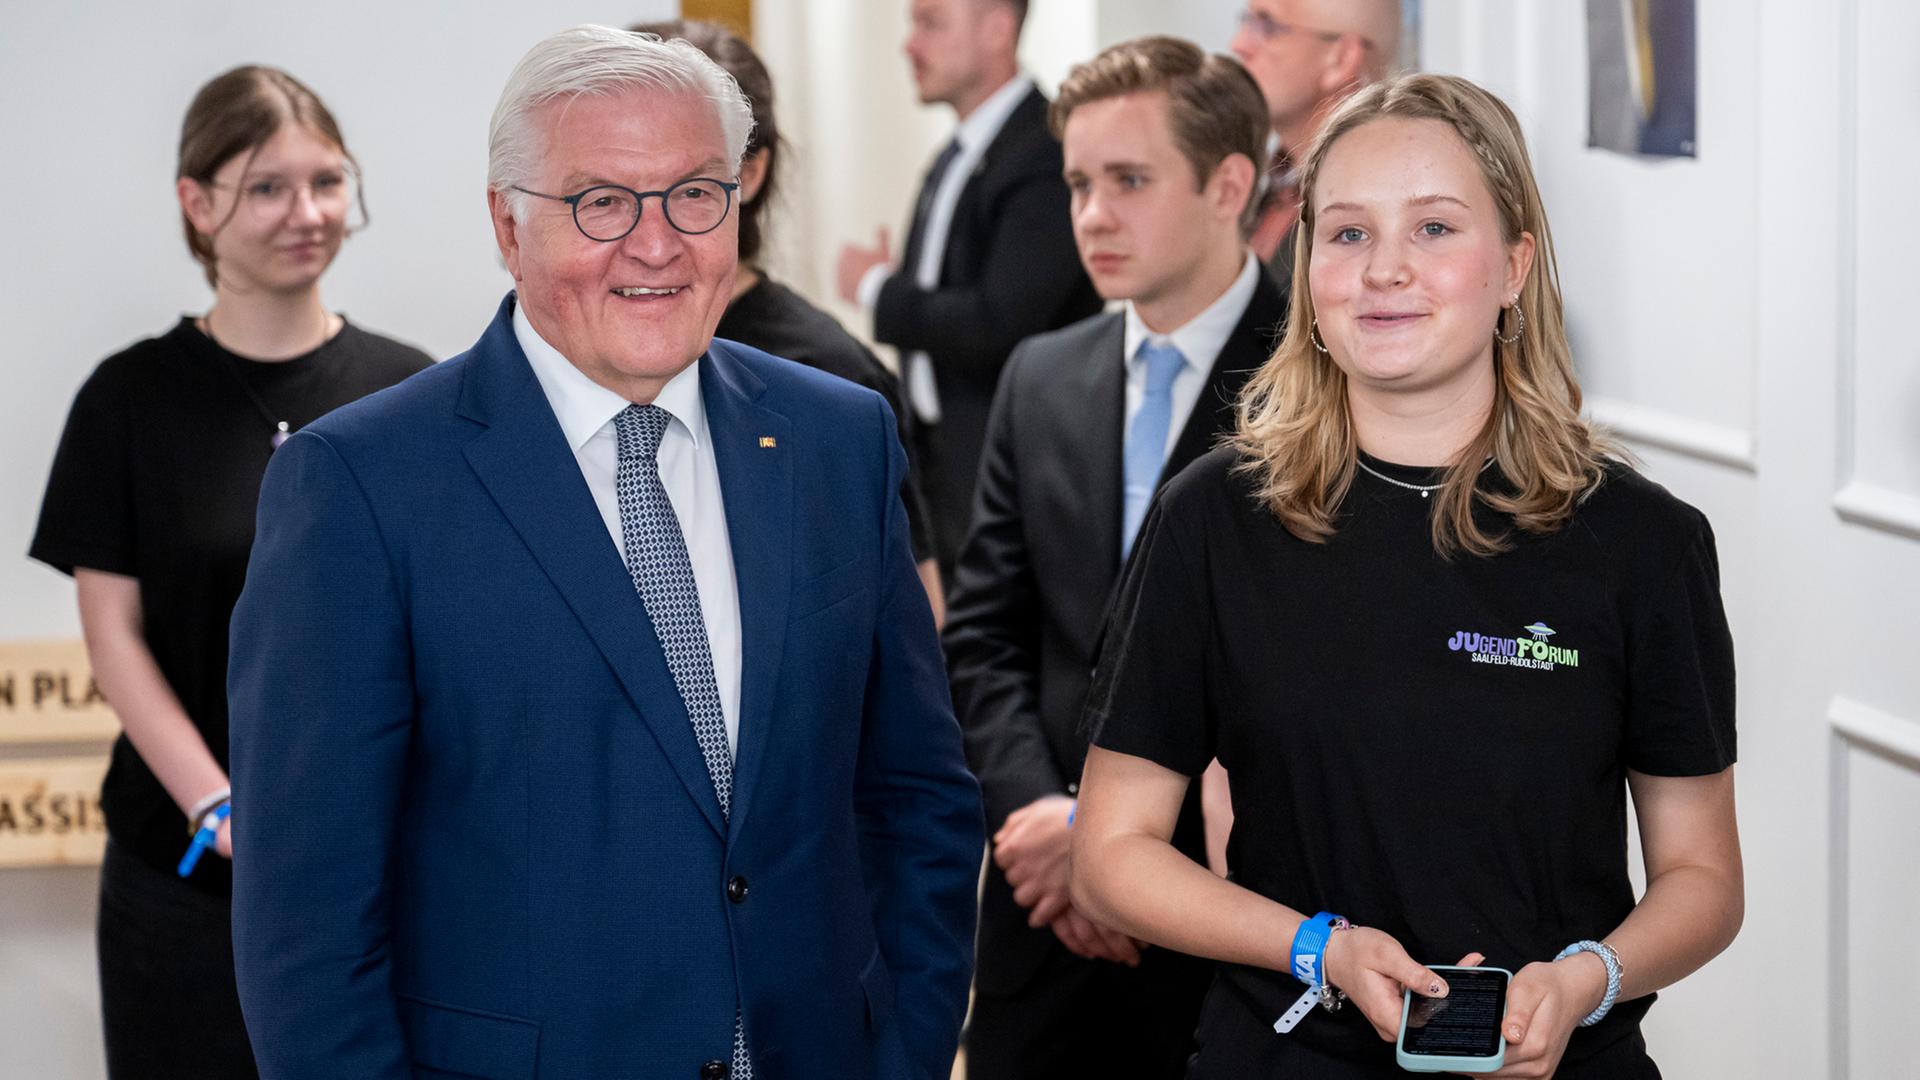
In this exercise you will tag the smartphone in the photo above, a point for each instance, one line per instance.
(1459, 1032)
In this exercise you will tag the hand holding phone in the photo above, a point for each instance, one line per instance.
(1374, 971)
(1460, 1032)
(1545, 1003)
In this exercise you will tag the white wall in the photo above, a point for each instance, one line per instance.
(91, 97)
(1208, 23)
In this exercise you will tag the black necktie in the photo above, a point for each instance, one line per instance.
(924, 205)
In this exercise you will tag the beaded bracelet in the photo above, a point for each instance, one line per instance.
(1614, 970)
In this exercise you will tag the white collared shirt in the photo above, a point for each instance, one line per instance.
(974, 135)
(1199, 341)
(688, 470)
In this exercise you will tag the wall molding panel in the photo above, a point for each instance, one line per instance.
(1854, 727)
(1857, 499)
(1879, 507)
(1719, 444)
(1669, 360)
(1875, 731)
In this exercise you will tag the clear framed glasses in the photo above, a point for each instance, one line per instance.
(1266, 28)
(267, 199)
(608, 212)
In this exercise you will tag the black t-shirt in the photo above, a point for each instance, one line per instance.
(157, 477)
(775, 319)
(1434, 747)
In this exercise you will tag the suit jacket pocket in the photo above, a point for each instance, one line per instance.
(876, 982)
(469, 1042)
(822, 592)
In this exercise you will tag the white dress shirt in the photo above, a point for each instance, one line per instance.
(1199, 341)
(974, 135)
(688, 470)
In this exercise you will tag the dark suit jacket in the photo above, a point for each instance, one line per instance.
(481, 837)
(1280, 267)
(1010, 270)
(1042, 557)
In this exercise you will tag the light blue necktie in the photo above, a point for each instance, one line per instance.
(656, 553)
(1146, 447)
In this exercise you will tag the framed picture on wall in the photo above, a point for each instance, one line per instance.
(1641, 76)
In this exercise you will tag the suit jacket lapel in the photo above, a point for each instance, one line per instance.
(1096, 455)
(1031, 111)
(1252, 342)
(524, 462)
(756, 483)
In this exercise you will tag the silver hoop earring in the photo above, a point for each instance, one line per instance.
(1519, 316)
(1313, 335)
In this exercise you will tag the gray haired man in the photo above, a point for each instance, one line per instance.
(588, 717)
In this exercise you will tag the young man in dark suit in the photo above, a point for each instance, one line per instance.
(1160, 144)
(989, 256)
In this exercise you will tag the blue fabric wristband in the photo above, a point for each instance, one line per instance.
(1309, 952)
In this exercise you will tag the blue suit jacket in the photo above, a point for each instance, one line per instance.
(475, 834)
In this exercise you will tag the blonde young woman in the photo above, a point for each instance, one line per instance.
(1435, 630)
(151, 508)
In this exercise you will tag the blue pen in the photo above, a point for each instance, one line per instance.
(203, 839)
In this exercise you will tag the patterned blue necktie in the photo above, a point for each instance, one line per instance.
(1146, 446)
(656, 553)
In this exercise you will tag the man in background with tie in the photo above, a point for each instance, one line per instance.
(1307, 56)
(1161, 142)
(989, 256)
(588, 715)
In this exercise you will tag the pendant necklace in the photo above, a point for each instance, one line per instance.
(1426, 490)
(281, 429)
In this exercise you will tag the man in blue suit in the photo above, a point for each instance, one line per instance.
(588, 716)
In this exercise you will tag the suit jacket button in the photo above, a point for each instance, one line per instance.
(715, 1070)
(737, 888)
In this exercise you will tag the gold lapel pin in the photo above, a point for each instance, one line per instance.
(767, 442)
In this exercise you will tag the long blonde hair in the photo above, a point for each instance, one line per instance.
(1295, 431)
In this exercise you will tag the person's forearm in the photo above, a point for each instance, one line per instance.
(929, 571)
(149, 711)
(1689, 914)
(155, 722)
(1146, 888)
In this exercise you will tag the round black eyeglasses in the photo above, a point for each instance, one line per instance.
(608, 212)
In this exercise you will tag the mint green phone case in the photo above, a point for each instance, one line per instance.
(1434, 1063)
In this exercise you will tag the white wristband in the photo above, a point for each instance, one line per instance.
(206, 806)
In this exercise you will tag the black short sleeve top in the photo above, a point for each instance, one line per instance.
(156, 478)
(1433, 746)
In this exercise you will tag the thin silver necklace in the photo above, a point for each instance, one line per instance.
(282, 430)
(1426, 490)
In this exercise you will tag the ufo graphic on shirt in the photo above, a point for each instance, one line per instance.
(1540, 631)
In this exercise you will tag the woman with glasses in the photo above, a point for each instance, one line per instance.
(770, 316)
(151, 508)
(1435, 629)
